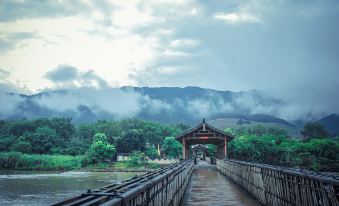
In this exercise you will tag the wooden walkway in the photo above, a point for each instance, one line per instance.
(209, 187)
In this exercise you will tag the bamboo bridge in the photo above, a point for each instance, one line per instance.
(200, 180)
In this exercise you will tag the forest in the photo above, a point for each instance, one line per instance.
(59, 144)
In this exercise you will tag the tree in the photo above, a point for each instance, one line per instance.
(151, 152)
(86, 132)
(136, 158)
(211, 150)
(313, 129)
(130, 141)
(42, 140)
(171, 147)
(64, 128)
(6, 141)
(22, 146)
(100, 150)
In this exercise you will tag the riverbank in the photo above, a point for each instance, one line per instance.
(124, 166)
(20, 161)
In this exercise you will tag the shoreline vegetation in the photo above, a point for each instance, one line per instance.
(58, 144)
(44, 162)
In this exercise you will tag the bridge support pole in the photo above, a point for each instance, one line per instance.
(225, 149)
(222, 150)
(183, 149)
(187, 153)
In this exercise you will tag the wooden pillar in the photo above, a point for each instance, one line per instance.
(183, 148)
(225, 149)
(187, 152)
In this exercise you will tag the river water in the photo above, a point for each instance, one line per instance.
(27, 188)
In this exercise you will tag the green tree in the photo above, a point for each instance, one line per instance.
(86, 132)
(6, 141)
(211, 150)
(130, 141)
(313, 129)
(136, 158)
(171, 147)
(22, 146)
(64, 128)
(100, 150)
(151, 152)
(42, 140)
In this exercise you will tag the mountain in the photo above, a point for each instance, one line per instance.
(331, 123)
(252, 120)
(187, 105)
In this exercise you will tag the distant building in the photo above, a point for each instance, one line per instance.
(122, 156)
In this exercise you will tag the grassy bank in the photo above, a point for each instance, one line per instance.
(20, 161)
(17, 160)
(129, 165)
(124, 166)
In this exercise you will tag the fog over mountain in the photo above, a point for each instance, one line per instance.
(86, 97)
(164, 104)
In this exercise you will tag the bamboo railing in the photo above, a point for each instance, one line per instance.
(280, 186)
(164, 187)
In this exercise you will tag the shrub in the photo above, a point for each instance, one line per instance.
(100, 150)
(151, 152)
(9, 160)
(136, 158)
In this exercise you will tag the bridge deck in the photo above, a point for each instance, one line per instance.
(209, 187)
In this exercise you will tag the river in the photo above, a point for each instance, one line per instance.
(36, 188)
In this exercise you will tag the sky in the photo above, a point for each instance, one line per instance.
(289, 48)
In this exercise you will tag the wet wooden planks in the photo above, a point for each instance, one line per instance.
(209, 187)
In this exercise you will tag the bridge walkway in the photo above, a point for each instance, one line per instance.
(209, 187)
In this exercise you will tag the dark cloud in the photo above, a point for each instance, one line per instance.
(292, 52)
(63, 73)
(14, 39)
(87, 78)
(66, 76)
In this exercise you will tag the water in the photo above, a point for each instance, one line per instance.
(209, 187)
(28, 188)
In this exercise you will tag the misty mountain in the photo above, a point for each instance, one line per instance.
(187, 105)
(331, 123)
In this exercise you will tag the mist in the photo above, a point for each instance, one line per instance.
(84, 96)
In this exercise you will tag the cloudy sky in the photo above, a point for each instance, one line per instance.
(287, 47)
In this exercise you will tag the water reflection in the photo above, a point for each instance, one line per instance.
(210, 187)
(46, 188)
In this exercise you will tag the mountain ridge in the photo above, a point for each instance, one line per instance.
(187, 105)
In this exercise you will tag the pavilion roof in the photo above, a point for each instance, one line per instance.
(207, 126)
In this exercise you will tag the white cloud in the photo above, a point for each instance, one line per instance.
(154, 106)
(127, 15)
(68, 42)
(174, 70)
(104, 38)
(184, 43)
(114, 101)
(175, 53)
(233, 18)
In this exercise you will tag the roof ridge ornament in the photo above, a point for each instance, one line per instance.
(203, 124)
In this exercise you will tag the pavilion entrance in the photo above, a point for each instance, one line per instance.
(204, 134)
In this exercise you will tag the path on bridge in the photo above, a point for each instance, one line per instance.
(209, 187)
